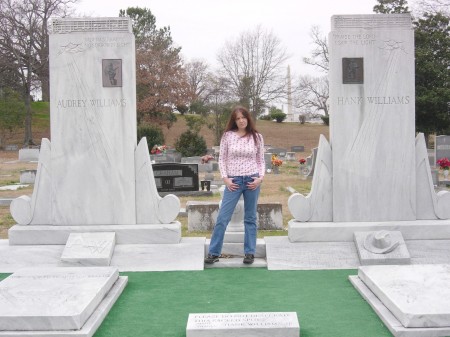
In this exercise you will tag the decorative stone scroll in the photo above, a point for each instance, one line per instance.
(65, 26)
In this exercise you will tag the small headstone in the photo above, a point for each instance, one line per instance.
(89, 249)
(261, 324)
(290, 156)
(381, 247)
(442, 147)
(29, 154)
(27, 176)
(278, 151)
(172, 177)
(298, 148)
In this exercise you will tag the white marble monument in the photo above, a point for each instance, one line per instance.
(374, 169)
(92, 173)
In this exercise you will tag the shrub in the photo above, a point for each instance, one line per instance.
(190, 144)
(326, 120)
(265, 118)
(153, 133)
(278, 116)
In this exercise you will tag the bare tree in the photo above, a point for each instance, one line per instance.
(24, 46)
(319, 55)
(254, 65)
(312, 93)
(432, 6)
(197, 72)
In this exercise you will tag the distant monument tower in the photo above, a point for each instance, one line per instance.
(290, 115)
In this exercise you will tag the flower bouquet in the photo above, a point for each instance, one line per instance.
(302, 161)
(444, 165)
(158, 149)
(276, 161)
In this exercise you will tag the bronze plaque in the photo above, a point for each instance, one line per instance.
(352, 70)
(112, 73)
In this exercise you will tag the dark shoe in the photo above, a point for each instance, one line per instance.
(210, 259)
(249, 258)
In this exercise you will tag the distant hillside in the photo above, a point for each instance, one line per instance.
(282, 135)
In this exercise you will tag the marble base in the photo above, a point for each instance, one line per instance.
(391, 322)
(233, 237)
(237, 249)
(48, 299)
(343, 231)
(248, 324)
(89, 249)
(125, 234)
(285, 255)
(418, 296)
(186, 255)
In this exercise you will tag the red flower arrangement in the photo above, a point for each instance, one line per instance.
(157, 149)
(302, 161)
(443, 163)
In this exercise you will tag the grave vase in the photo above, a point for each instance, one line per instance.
(276, 169)
(445, 174)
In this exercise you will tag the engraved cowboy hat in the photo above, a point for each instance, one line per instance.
(380, 242)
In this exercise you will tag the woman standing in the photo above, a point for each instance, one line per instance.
(242, 167)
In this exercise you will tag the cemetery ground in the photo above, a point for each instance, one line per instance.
(272, 190)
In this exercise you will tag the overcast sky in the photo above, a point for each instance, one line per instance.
(201, 27)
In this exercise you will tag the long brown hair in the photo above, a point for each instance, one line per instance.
(249, 130)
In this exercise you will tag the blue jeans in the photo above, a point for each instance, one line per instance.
(229, 202)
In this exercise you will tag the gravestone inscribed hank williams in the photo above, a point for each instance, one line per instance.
(372, 122)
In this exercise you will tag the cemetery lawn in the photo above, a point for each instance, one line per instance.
(156, 304)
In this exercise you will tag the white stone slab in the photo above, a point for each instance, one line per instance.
(53, 298)
(394, 326)
(249, 324)
(399, 255)
(125, 234)
(417, 295)
(89, 249)
(189, 254)
(284, 255)
(12, 187)
(91, 325)
(343, 231)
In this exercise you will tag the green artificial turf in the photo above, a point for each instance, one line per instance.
(156, 304)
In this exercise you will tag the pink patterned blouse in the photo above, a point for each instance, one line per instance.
(240, 156)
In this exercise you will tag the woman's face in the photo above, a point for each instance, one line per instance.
(241, 121)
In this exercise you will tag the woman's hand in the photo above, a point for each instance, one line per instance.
(230, 185)
(255, 183)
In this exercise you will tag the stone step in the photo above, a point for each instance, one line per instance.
(237, 249)
(236, 262)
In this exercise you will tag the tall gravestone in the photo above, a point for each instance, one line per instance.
(93, 173)
(374, 168)
(93, 121)
(372, 130)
